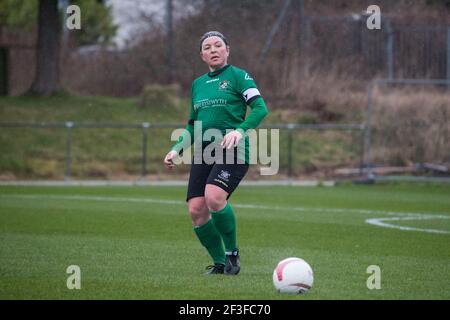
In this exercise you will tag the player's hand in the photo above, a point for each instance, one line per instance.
(168, 160)
(231, 139)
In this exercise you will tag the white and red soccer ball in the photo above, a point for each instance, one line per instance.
(293, 275)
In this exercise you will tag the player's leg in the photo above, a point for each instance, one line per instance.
(222, 181)
(204, 227)
(222, 215)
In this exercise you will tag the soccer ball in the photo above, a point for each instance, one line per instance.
(293, 275)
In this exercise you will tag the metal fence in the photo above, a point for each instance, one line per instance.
(362, 147)
(394, 51)
(290, 131)
(418, 52)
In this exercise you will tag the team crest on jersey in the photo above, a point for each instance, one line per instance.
(223, 84)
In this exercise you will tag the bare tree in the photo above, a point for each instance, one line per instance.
(47, 77)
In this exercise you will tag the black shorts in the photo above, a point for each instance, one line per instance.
(225, 176)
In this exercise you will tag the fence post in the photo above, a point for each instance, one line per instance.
(274, 30)
(368, 131)
(290, 128)
(448, 56)
(390, 49)
(145, 127)
(68, 173)
(362, 130)
(301, 25)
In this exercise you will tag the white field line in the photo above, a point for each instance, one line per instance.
(379, 222)
(399, 216)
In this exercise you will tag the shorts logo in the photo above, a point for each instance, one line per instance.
(223, 84)
(225, 175)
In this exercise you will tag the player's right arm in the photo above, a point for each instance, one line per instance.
(184, 141)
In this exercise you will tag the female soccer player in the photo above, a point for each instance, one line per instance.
(219, 100)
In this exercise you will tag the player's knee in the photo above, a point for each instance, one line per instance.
(199, 213)
(195, 211)
(215, 202)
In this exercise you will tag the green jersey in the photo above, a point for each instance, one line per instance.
(219, 101)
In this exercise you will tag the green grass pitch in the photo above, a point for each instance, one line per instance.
(138, 243)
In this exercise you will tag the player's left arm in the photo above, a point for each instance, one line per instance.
(257, 114)
(252, 97)
(250, 93)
